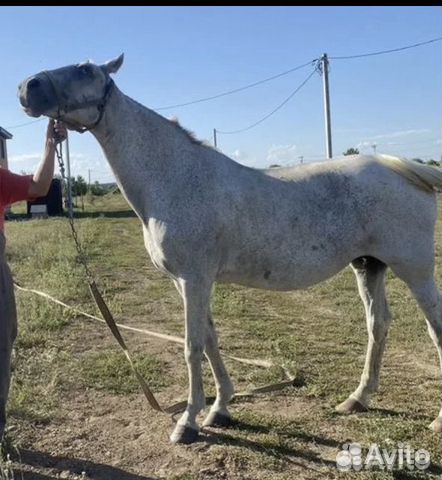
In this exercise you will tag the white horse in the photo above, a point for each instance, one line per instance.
(207, 218)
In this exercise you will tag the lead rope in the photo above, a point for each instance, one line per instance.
(105, 312)
(108, 318)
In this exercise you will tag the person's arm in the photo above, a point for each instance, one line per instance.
(41, 182)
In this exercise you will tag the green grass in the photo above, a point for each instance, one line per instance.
(34, 394)
(319, 334)
(110, 371)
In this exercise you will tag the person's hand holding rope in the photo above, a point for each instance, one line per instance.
(40, 183)
(56, 132)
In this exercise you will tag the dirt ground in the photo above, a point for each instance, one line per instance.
(76, 411)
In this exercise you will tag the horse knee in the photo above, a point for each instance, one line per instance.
(193, 351)
(378, 333)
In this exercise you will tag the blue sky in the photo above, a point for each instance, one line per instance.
(179, 54)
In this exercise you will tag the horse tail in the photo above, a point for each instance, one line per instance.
(426, 177)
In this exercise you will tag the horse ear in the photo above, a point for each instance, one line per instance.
(112, 66)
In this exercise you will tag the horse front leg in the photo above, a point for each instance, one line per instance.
(196, 296)
(218, 416)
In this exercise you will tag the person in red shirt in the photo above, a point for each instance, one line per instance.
(15, 188)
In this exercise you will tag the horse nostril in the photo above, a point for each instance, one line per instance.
(34, 83)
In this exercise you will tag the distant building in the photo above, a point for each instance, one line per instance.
(4, 135)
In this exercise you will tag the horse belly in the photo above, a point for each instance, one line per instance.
(284, 272)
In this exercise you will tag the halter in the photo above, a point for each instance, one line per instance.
(66, 107)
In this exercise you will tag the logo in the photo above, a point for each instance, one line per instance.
(352, 457)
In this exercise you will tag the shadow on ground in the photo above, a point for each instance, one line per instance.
(97, 471)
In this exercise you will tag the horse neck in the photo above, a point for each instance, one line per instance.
(139, 147)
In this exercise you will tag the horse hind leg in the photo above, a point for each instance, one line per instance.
(429, 299)
(370, 275)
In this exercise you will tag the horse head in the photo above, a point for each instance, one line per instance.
(75, 94)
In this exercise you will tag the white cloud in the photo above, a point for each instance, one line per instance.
(26, 157)
(365, 144)
(36, 157)
(80, 165)
(24, 163)
(401, 133)
(282, 155)
(239, 155)
(350, 130)
(395, 139)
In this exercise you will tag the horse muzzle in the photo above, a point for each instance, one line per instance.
(36, 96)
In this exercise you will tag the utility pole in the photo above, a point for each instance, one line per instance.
(68, 164)
(302, 159)
(328, 138)
(374, 148)
(214, 138)
(89, 178)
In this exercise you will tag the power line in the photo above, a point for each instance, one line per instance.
(268, 79)
(11, 127)
(273, 111)
(286, 72)
(240, 89)
(382, 52)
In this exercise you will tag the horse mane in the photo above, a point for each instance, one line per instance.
(190, 135)
(176, 124)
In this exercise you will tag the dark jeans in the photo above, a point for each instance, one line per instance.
(8, 331)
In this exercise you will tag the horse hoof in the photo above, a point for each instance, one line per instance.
(351, 405)
(436, 425)
(184, 434)
(216, 419)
